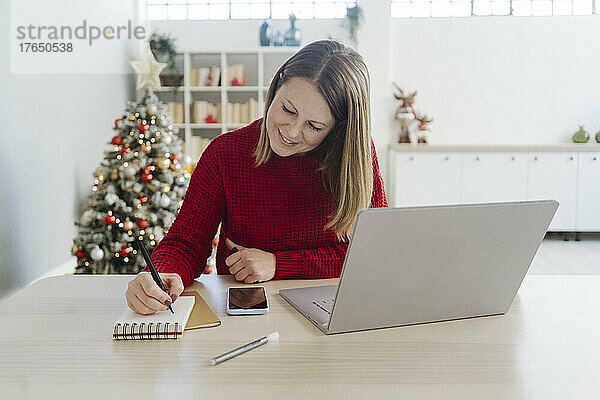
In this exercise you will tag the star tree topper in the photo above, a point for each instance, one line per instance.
(148, 70)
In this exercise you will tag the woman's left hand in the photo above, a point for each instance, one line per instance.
(250, 265)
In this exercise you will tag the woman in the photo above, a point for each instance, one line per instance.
(286, 188)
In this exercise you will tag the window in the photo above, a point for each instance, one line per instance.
(244, 9)
(468, 8)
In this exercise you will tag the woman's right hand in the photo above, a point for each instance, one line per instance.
(145, 297)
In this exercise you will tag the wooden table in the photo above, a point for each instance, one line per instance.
(55, 338)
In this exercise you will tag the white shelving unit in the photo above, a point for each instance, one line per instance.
(261, 64)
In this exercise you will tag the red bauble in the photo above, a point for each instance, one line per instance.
(143, 127)
(146, 177)
(125, 250)
(80, 254)
(210, 119)
(117, 122)
(143, 199)
(236, 82)
(174, 157)
(110, 219)
(117, 140)
(142, 223)
(125, 149)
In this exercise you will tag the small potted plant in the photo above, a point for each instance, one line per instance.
(354, 16)
(163, 48)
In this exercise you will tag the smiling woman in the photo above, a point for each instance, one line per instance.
(286, 189)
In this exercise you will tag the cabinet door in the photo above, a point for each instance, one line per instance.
(494, 177)
(423, 178)
(588, 192)
(553, 175)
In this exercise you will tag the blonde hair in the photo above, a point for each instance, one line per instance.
(340, 74)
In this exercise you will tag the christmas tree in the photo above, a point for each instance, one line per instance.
(139, 186)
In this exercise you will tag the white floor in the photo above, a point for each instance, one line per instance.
(557, 257)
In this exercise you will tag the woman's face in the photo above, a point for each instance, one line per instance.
(298, 119)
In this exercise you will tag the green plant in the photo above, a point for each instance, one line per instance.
(354, 16)
(164, 50)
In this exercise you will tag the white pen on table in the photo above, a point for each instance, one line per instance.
(245, 348)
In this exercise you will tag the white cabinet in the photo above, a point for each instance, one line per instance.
(553, 175)
(426, 178)
(588, 193)
(490, 177)
(450, 174)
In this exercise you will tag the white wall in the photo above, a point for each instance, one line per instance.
(53, 134)
(501, 80)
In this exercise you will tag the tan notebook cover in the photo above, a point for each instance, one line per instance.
(202, 316)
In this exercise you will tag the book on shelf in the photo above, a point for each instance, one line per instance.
(176, 110)
(205, 76)
(202, 109)
(236, 75)
(241, 113)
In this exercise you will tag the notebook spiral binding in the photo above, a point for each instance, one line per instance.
(144, 331)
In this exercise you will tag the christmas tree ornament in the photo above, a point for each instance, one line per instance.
(163, 163)
(117, 140)
(127, 225)
(97, 254)
(142, 223)
(152, 109)
(129, 171)
(117, 122)
(86, 218)
(131, 118)
(148, 70)
(125, 149)
(175, 167)
(166, 188)
(143, 199)
(110, 219)
(80, 254)
(165, 201)
(111, 198)
(114, 175)
(125, 250)
(143, 128)
(146, 177)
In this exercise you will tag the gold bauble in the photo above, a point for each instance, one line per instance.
(163, 163)
(127, 225)
(114, 175)
(166, 189)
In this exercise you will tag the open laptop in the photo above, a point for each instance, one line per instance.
(414, 265)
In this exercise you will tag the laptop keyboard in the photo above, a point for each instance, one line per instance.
(325, 304)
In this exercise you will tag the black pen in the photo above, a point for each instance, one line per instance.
(153, 271)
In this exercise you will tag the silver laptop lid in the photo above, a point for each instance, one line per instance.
(423, 264)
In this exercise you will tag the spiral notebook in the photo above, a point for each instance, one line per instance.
(191, 312)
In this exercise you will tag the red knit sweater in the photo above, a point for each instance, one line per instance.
(280, 207)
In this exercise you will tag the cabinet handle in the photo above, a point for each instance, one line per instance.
(512, 159)
(571, 158)
(535, 158)
(595, 158)
(476, 158)
(447, 158)
(411, 158)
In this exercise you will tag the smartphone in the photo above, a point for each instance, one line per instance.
(247, 300)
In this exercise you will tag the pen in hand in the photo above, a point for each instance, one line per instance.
(153, 271)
